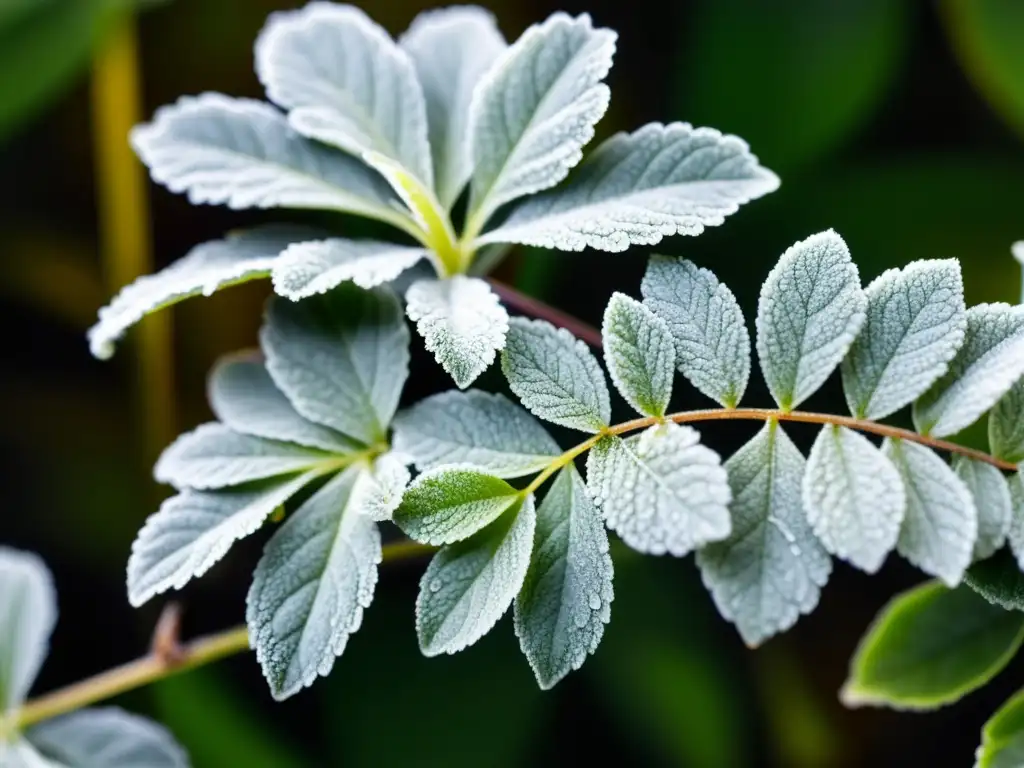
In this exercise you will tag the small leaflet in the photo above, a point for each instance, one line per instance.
(639, 353)
(991, 495)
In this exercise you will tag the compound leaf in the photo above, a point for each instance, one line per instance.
(991, 496)
(316, 266)
(28, 613)
(639, 353)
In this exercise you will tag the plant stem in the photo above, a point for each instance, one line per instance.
(537, 308)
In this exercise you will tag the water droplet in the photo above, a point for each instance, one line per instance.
(435, 585)
(595, 601)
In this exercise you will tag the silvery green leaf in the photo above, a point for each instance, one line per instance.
(555, 375)
(705, 320)
(991, 496)
(451, 48)
(20, 754)
(486, 430)
(811, 309)
(468, 586)
(28, 612)
(215, 456)
(107, 737)
(316, 576)
(341, 358)
(915, 325)
(771, 569)
(193, 530)
(639, 353)
(661, 491)
(1015, 535)
(565, 601)
(317, 266)
(378, 490)
(853, 497)
(461, 321)
(244, 154)
(206, 269)
(941, 523)
(535, 109)
(990, 361)
(243, 396)
(345, 82)
(1006, 425)
(638, 188)
(451, 503)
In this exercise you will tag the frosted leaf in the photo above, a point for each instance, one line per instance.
(1015, 535)
(535, 109)
(853, 497)
(712, 342)
(107, 737)
(638, 188)
(317, 266)
(565, 601)
(378, 491)
(194, 530)
(345, 82)
(28, 612)
(243, 153)
(486, 430)
(941, 524)
(341, 358)
(661, 491)
(215, 456)
(204, 270)
(243, 396)
(462, 323)
(809, 313)
(18, 753)
(915, 325)
(316, 576)
(468, 586)
(990, 361)
(771, 569)
(991, 496)
(451, 49)
(1006, 425)
(555, 375)
(639, 353)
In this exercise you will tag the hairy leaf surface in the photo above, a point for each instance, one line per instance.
(28, 613)
(379, 490)
(991, 496)
(1015, 535)
(999, 580)
(316, 266)
(1006, 425)
(106, 737)
(639, 353)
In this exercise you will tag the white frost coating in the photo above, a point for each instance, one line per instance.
(486, 430)
(1006, 425)
(809, 313)
(535, 109)
(1017, 249)
(771, 569)
(639, 353)
(345, 82)
(638, 188)
(941, 524)
(991, 496)
(566, 599)
(317, 574)
(661, 491)
(204, 270)
(990, 361)
(854, 498)
(309, 268)
(378, 491)
(341, 359)
(468, 586)
(705, 320)
(555, 375)
(215, 456)
(1015, 535)
(461, 321)
(107, 737)
(193, 530)
(18, 753)
(244, 154)
(915, 325)
(243, 396)
(451, 49)
(28, 613)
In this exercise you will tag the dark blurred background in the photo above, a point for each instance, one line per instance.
(898, 122)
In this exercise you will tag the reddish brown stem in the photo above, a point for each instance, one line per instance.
(537, 308)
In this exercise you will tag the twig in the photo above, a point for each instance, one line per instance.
(166, 643)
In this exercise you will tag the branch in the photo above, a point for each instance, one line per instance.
(537, 308)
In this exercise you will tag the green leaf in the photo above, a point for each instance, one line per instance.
(639, 353)
(930, 646)
(317, 575)
(771, 568)
(28, 613)
(469, 585)
(1002, 737)
(991, 496)
(1006, 425)
(704, 318)
(661, 491)
(449, 504)
(316, 266)
(1015, 535)
(811, 309)
(486, 430)
(565, 601)
(999, 580)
